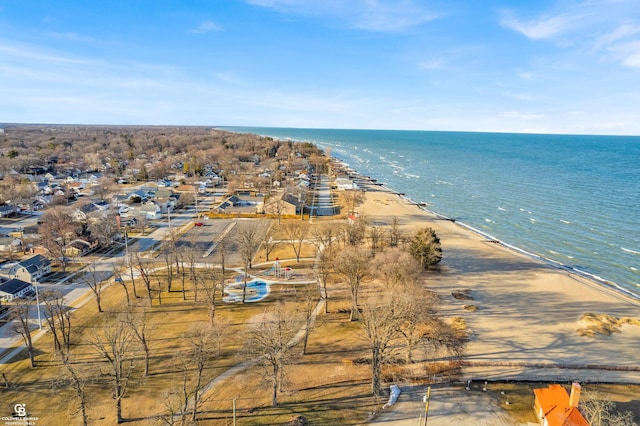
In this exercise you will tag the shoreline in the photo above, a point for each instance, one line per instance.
(527, 319)
(559, 266)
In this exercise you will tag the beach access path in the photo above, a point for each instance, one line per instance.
(527, 312)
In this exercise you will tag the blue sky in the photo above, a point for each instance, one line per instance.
(544, 66)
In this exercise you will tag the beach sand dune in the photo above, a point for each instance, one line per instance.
(525, 313)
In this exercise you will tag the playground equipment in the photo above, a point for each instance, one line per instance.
(276, 269)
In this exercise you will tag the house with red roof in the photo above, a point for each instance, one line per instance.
(556, 407)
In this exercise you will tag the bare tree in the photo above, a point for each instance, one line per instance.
(117, 267)
(354, 231)
(93, 279)
(321, 271)
(270, 342)
(352, 199)
(19, 317)
(417, 309)
(137, 321)
(114, 345)
(395, 267)
(322, 236)
(268, 240)
(79, 383)
(395, 235)
(380, 323)
(310, 299)
(375, 238)
(203, 348)
(140, 266)
(208, 281)
(601, 411)
(57, 229)
(353, 266)
(58, 317)
(105, 229)
(296, 233)
(248, 241)
(277, 205)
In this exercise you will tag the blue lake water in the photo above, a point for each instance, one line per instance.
(571, 199)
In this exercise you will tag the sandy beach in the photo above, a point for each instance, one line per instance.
(528, 312)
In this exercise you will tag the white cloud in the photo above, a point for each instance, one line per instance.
(632, 60)
(27, 52)
(621, 32)
(622, 43)
(541, 28)
(71, 36)
(368, 15)
(205, 27)
(522, 115)
(432, 64)
(527, 75)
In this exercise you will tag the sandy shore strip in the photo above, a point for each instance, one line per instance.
(527, 313)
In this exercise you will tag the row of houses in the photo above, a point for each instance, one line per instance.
(17, 278)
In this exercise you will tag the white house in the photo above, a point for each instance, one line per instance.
(150, 210)
(31, 269)
(14, 289)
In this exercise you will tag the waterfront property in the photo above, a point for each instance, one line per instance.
(555, 407)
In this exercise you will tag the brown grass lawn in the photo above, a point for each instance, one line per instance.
(325, 385)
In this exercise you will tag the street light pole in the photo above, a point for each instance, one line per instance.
(38, 304)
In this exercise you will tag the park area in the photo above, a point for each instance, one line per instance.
(171, 349)
(175, 344)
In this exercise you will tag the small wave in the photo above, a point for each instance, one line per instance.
(532, 220)
(502, 209)
(488, 220)
(564, 221)
(633, 269)
(629, 250)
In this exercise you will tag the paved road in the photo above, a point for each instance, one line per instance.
(448, 405)
(74, 290)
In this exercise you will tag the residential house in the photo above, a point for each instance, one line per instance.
(10, 244)
(283, 204)
(15, 289)
(150, 210)
(141, 194)
(81, 246)
(31, 269)
(182, 189)
(554, 406)
(7, 211)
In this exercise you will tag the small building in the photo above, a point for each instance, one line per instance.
(150, 210)
(10, 244)
(14, 289)
(31, 269)
(7, 211)
(81, 246)
(556, 407)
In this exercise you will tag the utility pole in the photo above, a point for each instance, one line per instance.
(426, 404)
